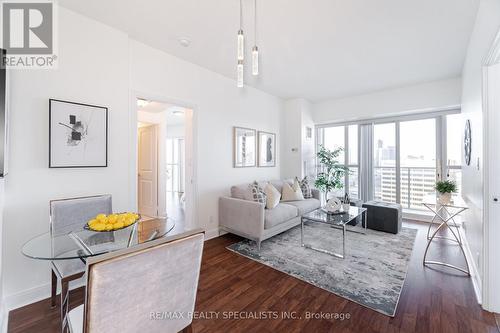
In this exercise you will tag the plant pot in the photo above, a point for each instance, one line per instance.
(444, 198)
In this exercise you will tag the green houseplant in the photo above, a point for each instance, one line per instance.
(332, 173)
(445, 188)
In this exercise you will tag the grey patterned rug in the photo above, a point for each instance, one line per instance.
(372, 274)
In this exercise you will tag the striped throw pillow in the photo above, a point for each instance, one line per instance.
(258, 195)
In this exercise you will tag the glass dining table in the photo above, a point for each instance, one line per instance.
(81, 243)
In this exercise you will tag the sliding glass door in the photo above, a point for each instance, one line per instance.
(418, 161)
(401, 158)
(384, 162)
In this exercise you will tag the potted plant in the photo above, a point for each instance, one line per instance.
(332, 173)
(445, 188)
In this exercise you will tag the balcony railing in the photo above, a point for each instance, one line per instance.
(415, 183)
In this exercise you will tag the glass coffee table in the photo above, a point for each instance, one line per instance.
(336, 221)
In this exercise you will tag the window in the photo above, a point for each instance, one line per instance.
(418, 161)
(403, 157)
(453, 166)
(384, 162)
(345, 137)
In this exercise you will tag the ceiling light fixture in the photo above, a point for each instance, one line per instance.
(184, 41)
(141, 102)
(178, 113)
(255, 49)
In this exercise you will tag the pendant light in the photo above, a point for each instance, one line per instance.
(240, 51)
(239, 74)
(241, 36)
(255, 49)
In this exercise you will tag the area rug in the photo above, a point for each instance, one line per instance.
(372, 274)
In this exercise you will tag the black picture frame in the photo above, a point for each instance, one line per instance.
(105, 109)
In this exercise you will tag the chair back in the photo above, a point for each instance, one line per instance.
(147, 288)
(66, 214)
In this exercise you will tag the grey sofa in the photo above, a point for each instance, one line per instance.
(252, 220)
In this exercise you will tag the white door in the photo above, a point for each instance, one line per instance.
(148, 170)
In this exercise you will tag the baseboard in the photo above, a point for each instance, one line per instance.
(213, 233)
(474, 271)
(33, 295)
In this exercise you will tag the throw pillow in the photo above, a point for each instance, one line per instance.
(273, 196)
(257, 194)
(291, 193)
(305, 187)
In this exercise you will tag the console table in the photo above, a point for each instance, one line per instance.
(446, 212)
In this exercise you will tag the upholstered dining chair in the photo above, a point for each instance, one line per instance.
(150, 287)
(67, 215)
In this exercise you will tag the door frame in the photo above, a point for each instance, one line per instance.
(133, 147)
(491, 267)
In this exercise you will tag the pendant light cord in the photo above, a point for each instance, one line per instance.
(255, 21)
(241, 15)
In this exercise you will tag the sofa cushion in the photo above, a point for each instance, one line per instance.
(243, 192)
(279, 214)
(291, 193)
(272, 196)
(278, 184)
(305, 206)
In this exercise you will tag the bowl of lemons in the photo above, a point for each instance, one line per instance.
(112, 222)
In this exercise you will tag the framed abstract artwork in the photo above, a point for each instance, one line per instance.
(244, 147)
(267, 149)
(78, 135)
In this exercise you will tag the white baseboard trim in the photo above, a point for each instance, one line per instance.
(33, 295)
(474, 271)
(213, 233)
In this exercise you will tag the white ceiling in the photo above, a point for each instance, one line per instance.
(315, 49)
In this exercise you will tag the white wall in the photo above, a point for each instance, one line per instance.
(100, 65)
(93, 68)
(485, 29)
(419, 97)
(297, 152)
(218, 106)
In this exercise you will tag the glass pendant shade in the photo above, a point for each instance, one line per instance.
(239, 74)
(255, 60)
(241, 45)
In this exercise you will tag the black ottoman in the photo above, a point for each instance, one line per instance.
(384, 216)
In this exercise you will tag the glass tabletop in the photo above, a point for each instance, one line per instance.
(83, 243)
(432, 199)
(321, 216)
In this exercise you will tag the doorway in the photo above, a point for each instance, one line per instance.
(164, 161)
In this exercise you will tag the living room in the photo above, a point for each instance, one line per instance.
(402, 96)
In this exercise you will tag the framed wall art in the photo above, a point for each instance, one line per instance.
(244, 147)
(267, 149)
(78, 135)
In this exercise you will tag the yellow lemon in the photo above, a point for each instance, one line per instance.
(99, 226)
(118, 225)
(100, 217)
(92, 222)
(109, 227)
(129, 221)
(112, 218)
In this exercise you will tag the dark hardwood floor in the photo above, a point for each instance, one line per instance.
(431, 300)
